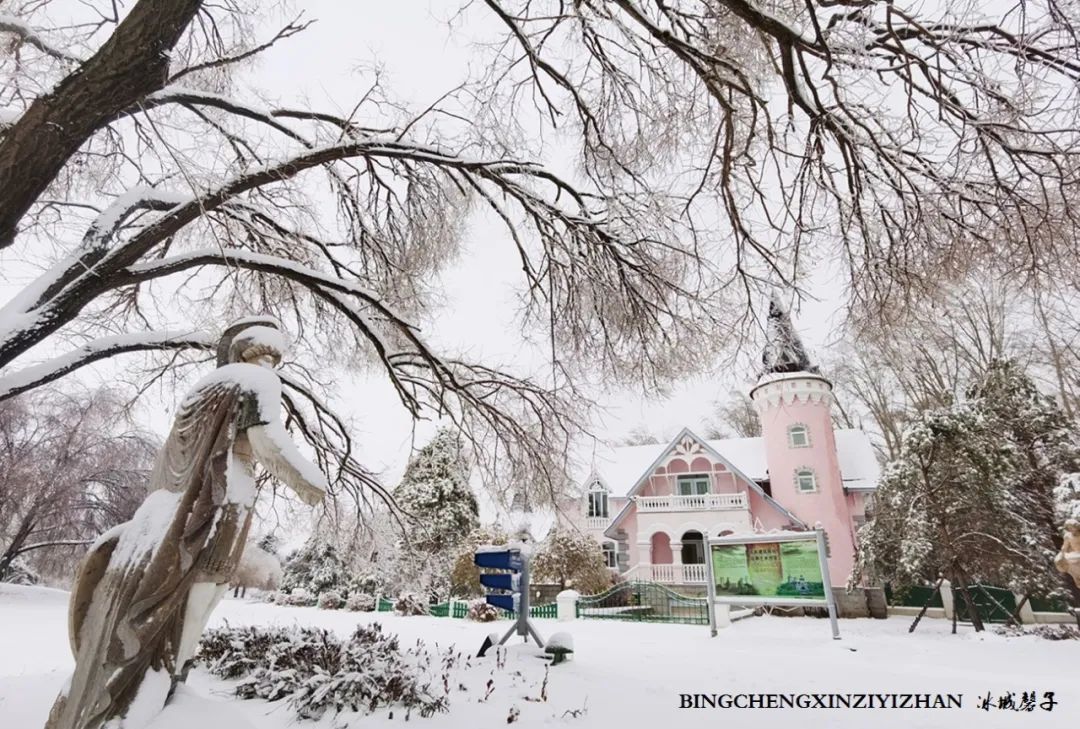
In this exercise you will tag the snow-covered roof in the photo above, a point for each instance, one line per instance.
(622, 467)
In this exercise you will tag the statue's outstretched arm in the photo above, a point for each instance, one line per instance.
(278, 454)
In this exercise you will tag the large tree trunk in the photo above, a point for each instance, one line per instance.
(973, 610)
(132, 63)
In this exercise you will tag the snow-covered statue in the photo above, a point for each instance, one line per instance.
(147, 587)
(1068, 559)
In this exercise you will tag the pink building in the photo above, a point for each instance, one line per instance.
(652, 507)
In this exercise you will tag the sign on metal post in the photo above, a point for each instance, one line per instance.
(508, 590)
(786, 569)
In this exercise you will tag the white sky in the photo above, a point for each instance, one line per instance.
(423, 57)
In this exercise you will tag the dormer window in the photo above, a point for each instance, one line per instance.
(798, 436)
(805, 481)
(598, 501)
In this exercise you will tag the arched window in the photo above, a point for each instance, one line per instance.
(798, 436)
(805, 481)
(609, 555)
(598, 501)
(693, 548)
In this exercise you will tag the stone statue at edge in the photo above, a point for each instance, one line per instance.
(1068, 559)
(147, 587)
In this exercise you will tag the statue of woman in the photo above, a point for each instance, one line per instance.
(1068, 559)
(147, 587)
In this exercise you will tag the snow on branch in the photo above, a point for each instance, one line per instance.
(12, 25)
(99, 349)
(71, 286)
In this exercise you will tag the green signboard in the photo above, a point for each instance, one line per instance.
(783, 569)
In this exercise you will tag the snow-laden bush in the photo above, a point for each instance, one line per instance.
(331, 600)
(19, 573)
(481, 612)
(316, 671)
(298, 598)
(409, 603)
(360, 602)
(1049, 632)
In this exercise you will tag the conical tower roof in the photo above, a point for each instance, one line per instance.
(784, 352)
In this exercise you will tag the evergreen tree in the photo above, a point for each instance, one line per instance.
(970, 496)
(317, 568)
(784, 351)
(440, 513)
(435, 494)
(1044, 452)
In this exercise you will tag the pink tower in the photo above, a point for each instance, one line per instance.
(794, 404)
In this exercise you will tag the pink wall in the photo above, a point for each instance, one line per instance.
(661, 549)
(829, 505)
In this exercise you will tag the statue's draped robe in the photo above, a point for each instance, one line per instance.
(128, 606)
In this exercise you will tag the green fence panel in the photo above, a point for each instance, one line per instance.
(989, 612)
(644, 602)
(385, 605)
(459, 609)
(441, 610)
(912, 596)
(544, 611)
(1048, 605)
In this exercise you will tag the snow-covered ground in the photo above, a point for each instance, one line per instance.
(622, 675)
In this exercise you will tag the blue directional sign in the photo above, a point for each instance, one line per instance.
(501, 582)
(506, 602)
(508, 590)
(507, 560)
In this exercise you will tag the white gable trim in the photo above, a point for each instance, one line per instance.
(666, 452)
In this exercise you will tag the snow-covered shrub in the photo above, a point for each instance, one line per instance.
(316, 671)
(570, 559)
(360, 602)
(481, 612)
(464, 575)
(1049, 632)
(19, 573)
(298, 598)
(372, 672)
(409, 603)
(331, 600)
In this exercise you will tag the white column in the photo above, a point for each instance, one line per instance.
(642, 569)
(947, 598)
(676, 562)
(1027, 613)
(566, 605)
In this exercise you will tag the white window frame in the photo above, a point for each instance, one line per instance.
(595, 513)
(611, 554)
(803, 430)
(805, 471)
(697, 478)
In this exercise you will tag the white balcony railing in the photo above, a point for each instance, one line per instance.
(697, 502)
(596, 522)
(671, 574)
